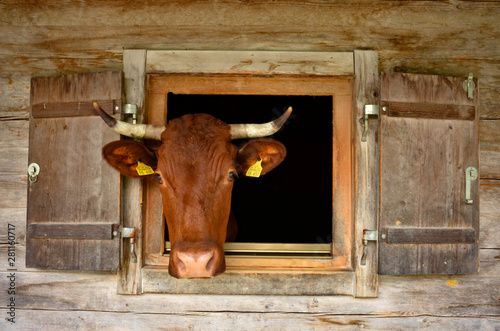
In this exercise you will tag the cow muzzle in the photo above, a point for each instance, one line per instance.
(196, 261)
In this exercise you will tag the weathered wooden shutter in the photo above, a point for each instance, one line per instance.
(73, 206)
(429, 138)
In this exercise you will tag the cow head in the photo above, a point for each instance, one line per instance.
(196, 165)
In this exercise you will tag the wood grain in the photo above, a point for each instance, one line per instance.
(408, 235)
(75, 185)
(214, 321)
(474, 296)
(17, 218)
(423, 176)
(71, 231)
(428, 110)
(129, 275)
(235, 282)
(249, 85)
(248, 62)
(57, 109)
(366, 171)
(13, 184)
(427, 37)
(14, 93)
(486, 70)
(154, 224)
(489, 139)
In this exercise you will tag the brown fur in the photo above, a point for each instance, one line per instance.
(194, 161)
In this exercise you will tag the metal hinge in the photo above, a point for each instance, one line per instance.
(130, 110)
(369, 110)
(130, 234)
(470, 176)
(469, 86)
(368, 235)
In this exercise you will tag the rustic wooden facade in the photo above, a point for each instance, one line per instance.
(53, 38)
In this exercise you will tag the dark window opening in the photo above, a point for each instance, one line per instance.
(293, 203)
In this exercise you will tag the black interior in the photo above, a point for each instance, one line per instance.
(293, 203)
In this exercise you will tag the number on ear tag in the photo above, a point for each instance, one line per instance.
(143, 169)
(255, 170)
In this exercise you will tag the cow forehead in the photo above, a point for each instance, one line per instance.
(192, 127)
(197, 140)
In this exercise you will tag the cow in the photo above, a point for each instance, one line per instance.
(196, 165)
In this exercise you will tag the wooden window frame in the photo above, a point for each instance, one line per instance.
(339, 88)
(359, 71)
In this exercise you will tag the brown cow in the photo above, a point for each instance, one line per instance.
(196, 165)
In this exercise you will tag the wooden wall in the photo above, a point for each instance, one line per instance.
(39, 38)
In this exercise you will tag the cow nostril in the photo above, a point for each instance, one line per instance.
(210, 264)
(180, 264)
(195, 264)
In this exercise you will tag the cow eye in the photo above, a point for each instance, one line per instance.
(232, 175)
(159, 177)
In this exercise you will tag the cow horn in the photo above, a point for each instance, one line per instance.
(241, 131)
(139, 131)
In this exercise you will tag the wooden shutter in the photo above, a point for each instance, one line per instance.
(73, 206)
(429, 137)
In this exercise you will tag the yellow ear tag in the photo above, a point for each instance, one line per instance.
(143, 169)
(255, 170)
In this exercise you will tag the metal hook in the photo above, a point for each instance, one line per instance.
(33, 171)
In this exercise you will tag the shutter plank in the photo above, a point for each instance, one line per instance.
(423, 162)
(429, 236)
(66, 109)
(75, 186)
(72, 231)
(429, 110)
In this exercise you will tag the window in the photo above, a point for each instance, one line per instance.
(305, 229)
(294, 204)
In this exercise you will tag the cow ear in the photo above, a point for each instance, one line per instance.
(124, 156)
(270, 151)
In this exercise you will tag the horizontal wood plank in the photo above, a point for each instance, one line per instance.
(426, 89)
(428, 236)
(273, 264)
(428, 110)
(489, 144)
(15, 219)
(306, 23)
(157, 280)
(14, 130)
(473, 295)
(13, 185)
(14, 93)
(14, 160)
(215, 321)
(490, 214)
(71, 231)
(78, 87)
(251, 62)
(291, 13)
(489, 191)
(68, 109)
(490, 231)
(250, 85)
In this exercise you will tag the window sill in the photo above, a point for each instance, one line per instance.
(246, 281)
